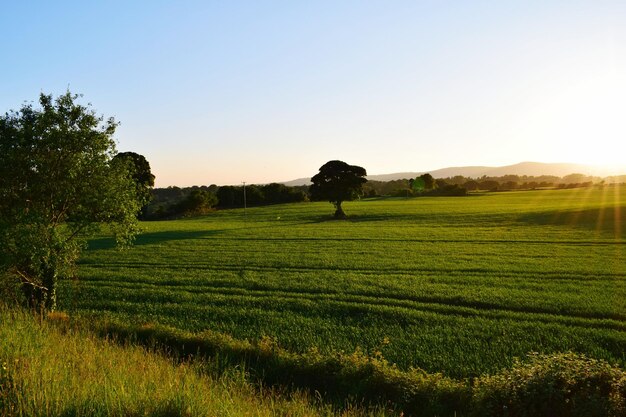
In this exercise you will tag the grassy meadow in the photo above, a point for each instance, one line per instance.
(460, 286)
(54, 370)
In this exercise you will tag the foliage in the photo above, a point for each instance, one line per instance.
(424, 182)
(559, 385)
(198, 202)
(57, 185)
(258, 195)
(386, 188)
(449, 190)
(139, 166)
(424, 185)
(174, 202)
(337, 182)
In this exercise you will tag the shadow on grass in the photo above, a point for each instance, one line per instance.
(154, 238)
(362, 218)
(606, 219)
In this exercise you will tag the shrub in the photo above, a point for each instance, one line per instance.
(10, 289)
(564, 384)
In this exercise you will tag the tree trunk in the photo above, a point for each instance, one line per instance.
(40, 290)
(48, 300)
(339, 214)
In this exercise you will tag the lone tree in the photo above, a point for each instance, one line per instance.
(58, 185)
(141, 173)
(338, 182)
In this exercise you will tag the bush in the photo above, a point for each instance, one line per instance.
(10, 290)
(564, 384)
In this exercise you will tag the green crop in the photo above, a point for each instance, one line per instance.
(454, 285)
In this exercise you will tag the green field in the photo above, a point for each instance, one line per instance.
(455, 285)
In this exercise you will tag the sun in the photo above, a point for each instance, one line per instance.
(605, 155)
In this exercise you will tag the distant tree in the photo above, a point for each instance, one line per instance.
(160, 195)
(448, 190)
(227, 196)
(58, 185)
(489, 185)
(197, 202)
(254, 195)
(440, 183)
(424, 182)
(429, 181)
(141, 173)
(510, 185)
(338, 182)
(274, 193)
(458, 180)
(471, 185)
(576, 179)
(417, 185)
(369, 190)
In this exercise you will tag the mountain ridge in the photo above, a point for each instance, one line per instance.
(523, 168)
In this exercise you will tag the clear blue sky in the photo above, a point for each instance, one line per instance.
(259, 91)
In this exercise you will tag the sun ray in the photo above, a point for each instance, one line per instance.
(576, 215)
(617, 217)
(603, 208)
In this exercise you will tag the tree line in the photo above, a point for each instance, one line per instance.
(173, 202)
(460, 185)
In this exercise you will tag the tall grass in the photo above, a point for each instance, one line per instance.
(46, 371)
(557, 385)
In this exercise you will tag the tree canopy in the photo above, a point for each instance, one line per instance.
(141, 174)
(338, 182)
(424, 182)
(58, 185)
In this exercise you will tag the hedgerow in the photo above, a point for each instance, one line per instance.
(562, 384)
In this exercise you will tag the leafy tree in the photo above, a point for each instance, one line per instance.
(280, 193)
(424, 182)
(440, 183)
(489, 185)
(471, 185)
(57, 187)
(338, 182)
(417, 185)
(429, 181)
(141, 173)
(228, 196)
(197, 202)
(254, 195)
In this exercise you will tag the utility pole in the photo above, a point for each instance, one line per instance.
(244, 198)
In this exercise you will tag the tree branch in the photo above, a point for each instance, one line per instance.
(26, 280)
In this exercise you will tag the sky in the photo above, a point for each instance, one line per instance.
(220, 92)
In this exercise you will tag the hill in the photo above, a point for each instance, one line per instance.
(523, 168)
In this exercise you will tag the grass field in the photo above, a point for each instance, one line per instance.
(453, 285)
(48, 371)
